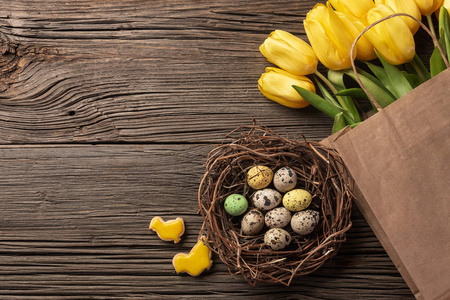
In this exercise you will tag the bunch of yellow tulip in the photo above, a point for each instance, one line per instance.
(331, 29)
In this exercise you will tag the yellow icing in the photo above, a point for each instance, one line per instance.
(198, 259)
(171, 230)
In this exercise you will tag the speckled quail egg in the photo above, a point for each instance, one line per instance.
(285, 179)
(252, 222)
(277, 238)
(235, 205)
(297, 200)
(259, 177)
(303, 222)
(278, 217)
(266, 199)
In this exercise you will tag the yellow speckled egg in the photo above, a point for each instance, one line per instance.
(297, 200)
(259, 177)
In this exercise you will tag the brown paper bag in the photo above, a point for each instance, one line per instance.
(400, 160)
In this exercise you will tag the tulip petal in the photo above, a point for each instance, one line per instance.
(276, 84)
(289, 53)
(356, 8)
(405, 6)
(392, 38)
(329, 37)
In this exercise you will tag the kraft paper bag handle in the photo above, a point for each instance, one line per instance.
(435, 40)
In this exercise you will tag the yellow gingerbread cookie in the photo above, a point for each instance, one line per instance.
(194, 263)
(171, 230)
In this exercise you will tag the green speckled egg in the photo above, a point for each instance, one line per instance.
(235, 205)
(297, 200)
(259, 177)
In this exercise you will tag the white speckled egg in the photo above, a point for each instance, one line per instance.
(297, 200)
(304, 222)
(285, 179)
(259, 177)
(278, 217)
(252, 222)
(266, 199)
(277, 238)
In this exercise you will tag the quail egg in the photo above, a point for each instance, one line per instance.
(297, 200)
(278, 217)
(259, 177)
(304, 222)
(266, 199)
(285, 179)
(235, 205)
(277, 238)
(252, 222)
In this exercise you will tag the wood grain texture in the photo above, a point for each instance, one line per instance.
(74, 223)
(108, 109)
(109, 71)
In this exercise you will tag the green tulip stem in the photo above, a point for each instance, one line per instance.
(332, 88)
(418, 70)
(431, 26)
(326, 81)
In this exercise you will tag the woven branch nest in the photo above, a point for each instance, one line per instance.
(320, 170)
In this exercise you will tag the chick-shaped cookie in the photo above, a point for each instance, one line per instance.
(194, 263)
(171, 230)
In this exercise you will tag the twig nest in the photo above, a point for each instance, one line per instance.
(241, 242)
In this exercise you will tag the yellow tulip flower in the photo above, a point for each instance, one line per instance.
(276, 84)
(427, 7)
(289, 53)
(405, 6)
(364, 48)
(329, 37)
(392, 38)
(357, 8)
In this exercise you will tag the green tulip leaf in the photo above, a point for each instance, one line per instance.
(326, 94)
(337, 79)
(375, 88)
(399, 85)
(354, 125)
(444, 29)
(437, 64)
(380, 73)
(413, 79)
(416, 66)
(374, 80)
(339, 123)
(322, 104)
(353, 92)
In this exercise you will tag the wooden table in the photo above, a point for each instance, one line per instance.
(108, 109)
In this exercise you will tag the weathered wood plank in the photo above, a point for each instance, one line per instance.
(90, 71)
(74, 223)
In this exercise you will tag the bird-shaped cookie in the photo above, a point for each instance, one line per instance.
(194, 263)
(171, 230)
